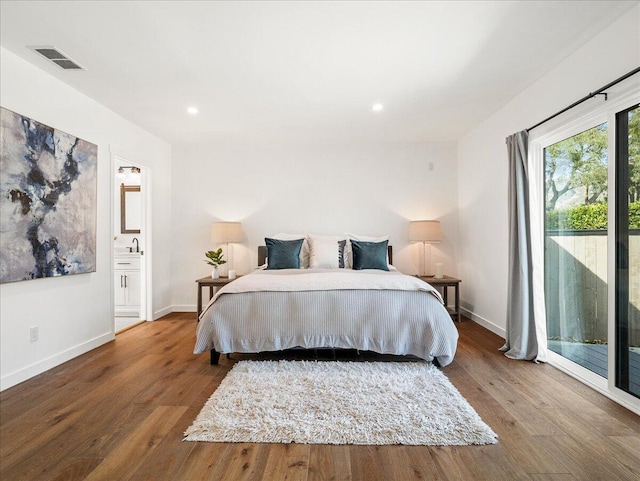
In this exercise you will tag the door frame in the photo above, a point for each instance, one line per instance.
(119, 156)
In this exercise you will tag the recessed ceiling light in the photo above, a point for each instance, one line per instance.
(192, 110)
(377, 107)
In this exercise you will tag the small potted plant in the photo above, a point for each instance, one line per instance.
(214, 258)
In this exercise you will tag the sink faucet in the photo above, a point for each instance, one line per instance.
(137, 244)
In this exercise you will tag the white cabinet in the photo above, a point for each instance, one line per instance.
(127, 286)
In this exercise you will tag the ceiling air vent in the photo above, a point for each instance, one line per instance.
(57, 57)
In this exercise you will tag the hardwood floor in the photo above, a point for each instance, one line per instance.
(119, 412)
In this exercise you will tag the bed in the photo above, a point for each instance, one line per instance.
(367, 310)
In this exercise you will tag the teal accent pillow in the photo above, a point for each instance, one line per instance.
(369, 255)
(283, 254)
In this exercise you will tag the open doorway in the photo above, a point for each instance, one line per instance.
(131, 237)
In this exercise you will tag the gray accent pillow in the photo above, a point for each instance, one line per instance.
(283, 254)
(369, 255)
(342, 246)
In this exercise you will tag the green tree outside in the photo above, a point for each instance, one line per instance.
(578, 166)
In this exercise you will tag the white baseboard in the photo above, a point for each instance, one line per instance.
(162, 312)
(45, 364)
(500, 331)
(184, 308)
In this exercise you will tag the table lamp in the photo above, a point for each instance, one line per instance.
(427, 232)
(227, 233)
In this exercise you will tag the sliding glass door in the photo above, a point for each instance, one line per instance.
(575, 242)
(627, 253)
(584, 196)
(578, 206)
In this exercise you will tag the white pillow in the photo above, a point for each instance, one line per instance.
(324, 252)
(363, 238)
(304, 252)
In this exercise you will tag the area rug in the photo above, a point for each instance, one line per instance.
(370, 403)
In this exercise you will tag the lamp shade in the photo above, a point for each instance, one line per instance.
(425, 231)
(226, 232)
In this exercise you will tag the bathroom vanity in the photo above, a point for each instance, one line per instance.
(127, 284)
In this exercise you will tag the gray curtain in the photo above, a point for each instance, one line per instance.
(521, 330)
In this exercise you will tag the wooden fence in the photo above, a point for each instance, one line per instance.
(576, 287)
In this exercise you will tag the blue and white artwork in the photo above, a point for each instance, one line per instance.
(48, 205)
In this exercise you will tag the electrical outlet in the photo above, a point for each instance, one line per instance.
(34, 333)
(431, 165)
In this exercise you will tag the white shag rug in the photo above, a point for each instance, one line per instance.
(370, 403)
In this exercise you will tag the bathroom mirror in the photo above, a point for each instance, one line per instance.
(130, 203)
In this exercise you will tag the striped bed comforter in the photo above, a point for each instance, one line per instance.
(384, 312)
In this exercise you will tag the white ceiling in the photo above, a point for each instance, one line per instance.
(305, 71)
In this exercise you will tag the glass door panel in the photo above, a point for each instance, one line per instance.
(628, 251)
(576, 174)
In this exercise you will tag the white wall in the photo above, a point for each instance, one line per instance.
(482, 161)
(372, 189)
(74, 313)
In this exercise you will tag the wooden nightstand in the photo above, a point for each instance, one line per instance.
(211, 284)
(445, 283)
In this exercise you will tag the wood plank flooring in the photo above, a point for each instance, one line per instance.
(119, 412)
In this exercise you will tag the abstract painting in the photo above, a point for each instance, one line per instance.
(48, 182)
